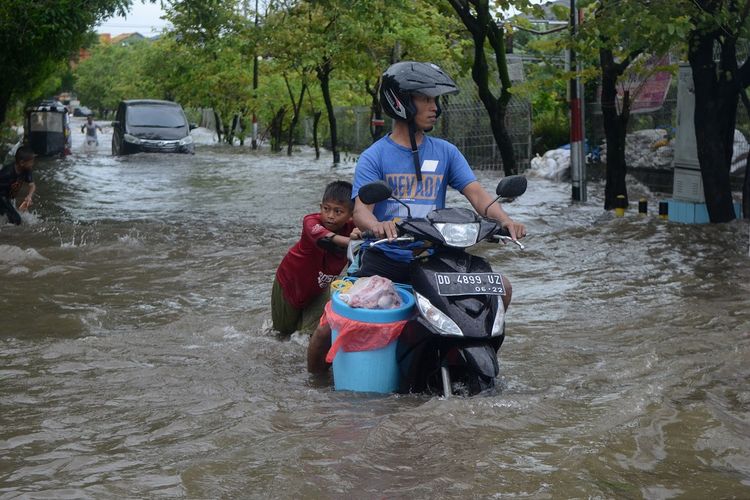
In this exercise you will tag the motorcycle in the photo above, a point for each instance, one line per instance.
(452, 343)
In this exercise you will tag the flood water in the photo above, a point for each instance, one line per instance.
(136, 357)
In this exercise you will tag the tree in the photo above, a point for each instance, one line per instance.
(624, 50)
(36, 36)
(296, 110)
(352, 40)
(718, 24)
(419, 30)
(478, 19)
(220, 41)
(290, 44)
(115, 72)
(545, 84)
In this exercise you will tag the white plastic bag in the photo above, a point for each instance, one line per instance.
(373, 292)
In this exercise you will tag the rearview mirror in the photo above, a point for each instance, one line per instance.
(375, 192)
(512, 186)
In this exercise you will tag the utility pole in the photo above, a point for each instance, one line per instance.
(577, 151)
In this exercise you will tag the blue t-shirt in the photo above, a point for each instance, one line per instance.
(443, 165)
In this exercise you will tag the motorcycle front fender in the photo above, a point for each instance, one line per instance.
(482, 359)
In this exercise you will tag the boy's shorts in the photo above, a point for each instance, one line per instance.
(288, 319)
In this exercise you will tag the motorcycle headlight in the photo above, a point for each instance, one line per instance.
(458, 235)
(497, 325)
(186, 140)
(131, 139)
(437, 318)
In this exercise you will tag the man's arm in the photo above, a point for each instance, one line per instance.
(479, 199)
(365, 220)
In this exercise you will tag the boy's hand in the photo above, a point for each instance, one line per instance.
(25, 204)
(356, 234)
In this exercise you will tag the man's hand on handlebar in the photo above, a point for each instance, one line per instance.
(516, 230)
(385, 229)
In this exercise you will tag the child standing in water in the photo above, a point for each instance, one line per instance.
(12, 178)
(90, 128)
(298, 294)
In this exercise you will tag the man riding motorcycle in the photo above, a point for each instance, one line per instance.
(419, 168)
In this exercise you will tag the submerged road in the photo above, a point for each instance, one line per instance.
(136, 358)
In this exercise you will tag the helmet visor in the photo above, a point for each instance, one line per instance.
(436, 90)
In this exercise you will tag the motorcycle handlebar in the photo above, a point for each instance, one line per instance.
(400, 239)
(502, 232)
(503, 236)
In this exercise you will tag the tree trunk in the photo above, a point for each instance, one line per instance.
(316, 121)
(277, 129)
(746, 180)
(376, 112)
(296, 107)
(716, 99)
(502, 137)
(233, 129)
(4, 103)
(615, 130)
(324, 75)
(496, 108)
(497, 39)
(243, 127)
(217, 120)
(478, 20)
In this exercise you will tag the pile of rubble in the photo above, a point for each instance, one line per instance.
(649, 149)
(652, 148)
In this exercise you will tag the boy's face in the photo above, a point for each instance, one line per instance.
(26, 165)
(335, 214)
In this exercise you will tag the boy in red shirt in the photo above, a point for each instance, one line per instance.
(298, 297)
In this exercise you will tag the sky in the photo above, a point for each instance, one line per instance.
(143, 18)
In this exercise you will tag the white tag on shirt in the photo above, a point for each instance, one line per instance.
(429, 165)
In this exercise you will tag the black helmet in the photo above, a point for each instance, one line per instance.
(409, 77)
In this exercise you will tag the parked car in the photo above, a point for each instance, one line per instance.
(82, 111)
(46, 128)
(147, 125)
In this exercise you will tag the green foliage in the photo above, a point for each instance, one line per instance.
(37, 36)
(551, 130)
(355, 41)
(113, 73)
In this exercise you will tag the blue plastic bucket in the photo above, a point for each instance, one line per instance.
(375, 370)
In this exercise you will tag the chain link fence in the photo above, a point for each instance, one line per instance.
(464, 122)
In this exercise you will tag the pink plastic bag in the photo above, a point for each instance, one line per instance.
(353, 335)
(373, 292)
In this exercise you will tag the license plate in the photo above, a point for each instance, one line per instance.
(469, 284)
